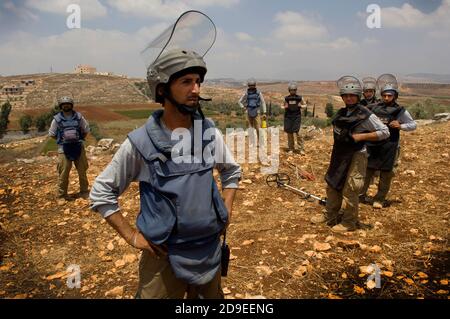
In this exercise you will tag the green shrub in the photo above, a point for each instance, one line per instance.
(136, 114)
(329, 110)
(49, 146)
(41, 123)
(4, 117)
(25, 123)
(317, 122)
(95, 131)
(427, 109)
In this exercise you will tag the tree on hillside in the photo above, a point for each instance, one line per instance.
(4, 117)
(25, 123)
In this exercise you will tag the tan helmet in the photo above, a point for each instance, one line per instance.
(169, 64)
(65, 100)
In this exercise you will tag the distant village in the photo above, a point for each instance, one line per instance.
(16, 91)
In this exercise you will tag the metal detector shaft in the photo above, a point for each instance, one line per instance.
(282, 180)
(306, 194)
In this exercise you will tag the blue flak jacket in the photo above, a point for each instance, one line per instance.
(181, 205)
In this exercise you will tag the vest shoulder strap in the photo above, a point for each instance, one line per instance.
(139, 138)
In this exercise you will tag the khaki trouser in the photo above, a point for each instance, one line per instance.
(291, 141)
(253, 122)
(344, 204)
(64, 167)
(157, 281)
(384, 184)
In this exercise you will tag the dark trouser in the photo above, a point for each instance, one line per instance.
(384, 185)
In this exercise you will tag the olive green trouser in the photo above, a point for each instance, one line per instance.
(343, 205)
(384, 184)
(64, 167)
(291, 142)
(157, 281)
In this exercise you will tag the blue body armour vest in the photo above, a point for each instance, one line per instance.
(64, 124)
(253, 103)
(181, 205)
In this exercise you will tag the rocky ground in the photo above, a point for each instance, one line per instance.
(276, 251)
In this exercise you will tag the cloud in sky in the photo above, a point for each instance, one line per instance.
(298, 26)
(408, 17)
(242, 36)
(165, 9)
(299, 44)
(90, 9)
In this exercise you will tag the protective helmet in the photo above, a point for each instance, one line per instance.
(292, 86)
(387, 82)
(169, 65)
(349, 85)
(369, 83)
(251, 82)
(65, 100)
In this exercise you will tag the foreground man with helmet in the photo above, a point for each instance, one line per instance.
(383, 155)
(353, 126)
(70, 129)
(182, 214)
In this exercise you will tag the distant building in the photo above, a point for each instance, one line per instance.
(104, 73)
(12, 90)
(85, 69)
(27, 82)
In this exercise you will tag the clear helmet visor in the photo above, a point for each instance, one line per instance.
(369, 83)
(193, 31)
(387, 80)
(348, 82)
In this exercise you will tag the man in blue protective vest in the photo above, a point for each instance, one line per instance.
(253, 102)
(182, 213)
(70, 129)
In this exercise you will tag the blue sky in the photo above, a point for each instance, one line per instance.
(292, 40)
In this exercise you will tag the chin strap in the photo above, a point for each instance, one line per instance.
(184, 109)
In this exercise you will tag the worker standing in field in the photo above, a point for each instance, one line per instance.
(383, 155)
(182, 212)
(353, 126)
(253, 102)
(70, 129)
(293, 103)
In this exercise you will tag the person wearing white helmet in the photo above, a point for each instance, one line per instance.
(353, 126)
(70, 129)
(253, 102)
(293, 103)
(182, 212)
(383, 155)
(369, 92)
